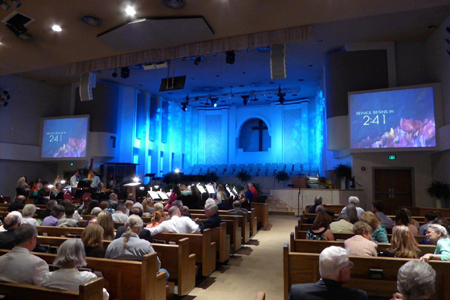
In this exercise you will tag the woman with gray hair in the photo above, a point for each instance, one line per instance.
(70, 256)
(437, 235)
(415, 281)
(27, 213)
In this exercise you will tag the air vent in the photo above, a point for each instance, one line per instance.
(16, 22)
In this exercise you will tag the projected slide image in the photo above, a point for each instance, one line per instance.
(393, 119)
(64, 137)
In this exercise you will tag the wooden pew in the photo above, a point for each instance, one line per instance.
(304, 268)
(314, 246)
(299, 234)
(81, 224)
(200, 244)
(243, 223)
(421, 211)
(60, 231)
(181, 269)
(222, 239)
(305, 227)
(125, 279)
(262, 214)
(93, 290)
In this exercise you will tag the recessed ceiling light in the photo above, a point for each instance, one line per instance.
(56, 28)
(175, 4)
(91, 20)
(310, 65)
(130, 10)
(319, 41)
(301, 79)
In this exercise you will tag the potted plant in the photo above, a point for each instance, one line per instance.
(341, 172)
(439, 190)
(243, 176)
(281, 176)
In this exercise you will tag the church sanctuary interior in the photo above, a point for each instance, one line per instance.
(300, 98)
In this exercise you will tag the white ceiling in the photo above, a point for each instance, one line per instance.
(335, 24)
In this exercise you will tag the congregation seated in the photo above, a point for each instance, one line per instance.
(70, 256)
(113, 200)
(213, 219)
(415, 281)
(120, 215)
(92, 239)
(360, 244)
(237, 209)
(19, 265)
(104, 205)
(68, 220)
(176, 224)
(44, 214)
(27, 215)
(160, 207)
(401, 218)
(438, 235)
(56, 214)
(92, 204)
(342, 225)
(94, 214)
(144, 234)
(185, 212)
(352, 213)
(84, 206)
(179, 204)
(403, 244)
(379, 234)
(147, 210)
(377, 209)
(43, 195)
(128, 206)
(411, 219)
(18, 204)
(355, 201)
(221, 197)
(105, 220)
(334, 269)
(320, 229)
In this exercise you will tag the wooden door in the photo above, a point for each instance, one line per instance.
(394, 187)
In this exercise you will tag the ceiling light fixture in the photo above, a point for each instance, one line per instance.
(175, 4)
(281, 95)
(245, 99)
(91, 20)
(230, 57)
(56, 28)
(198, 60)
(214, 101)
(4, 97)
(185, 103)
(125, 72)
(114, 74)
(130, 11)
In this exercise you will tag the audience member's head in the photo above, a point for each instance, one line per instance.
(343, 216)
(371, 219)
(12, 220)
(71, 254)
(131, 197)
(362, 228)
(377, 206)
(95, 211)
(176, 190)
(58, 211)
(92, 236)
(353, 200)
(20, 199)
(26, 236)
(104, 205)
(442, 221)
(237, 204)
(28, 211)
(51, 204)
(416, 280)
(174, 211)
(68, 207)
(350, 210)
(157, 218)
(211, 210)
(136, 211)
(158, 206)
(401, 217)
(129, 204)
(430, 216)
(92, 204)
(320, 208)
(435, 232)
(403, 243)
(113, 196)
(105, 220)
(121, 207)
(178, 203)
(134, 224)
(334, 264)
(318, 200)
(209, 201)
(322, 220)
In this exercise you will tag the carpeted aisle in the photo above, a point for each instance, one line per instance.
(258, 266)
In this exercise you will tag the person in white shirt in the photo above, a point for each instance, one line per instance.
(19, 265)
(177, 224)
(355, 201)
(70, 256)
(120, 215)
(27, 215)
(74, 180)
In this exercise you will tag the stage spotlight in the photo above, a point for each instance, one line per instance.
(245, 99)
(114, 74)
(4, 5)
(125, 72)
(177, 170)
(280, 95)
(184, 106)
(198, 60)
(136, 179)
(214, 101)
(230, 57)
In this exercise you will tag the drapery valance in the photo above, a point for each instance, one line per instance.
(241, 42)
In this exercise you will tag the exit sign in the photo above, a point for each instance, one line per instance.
(392, 157)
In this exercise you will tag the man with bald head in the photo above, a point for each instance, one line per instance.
(18, 203)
